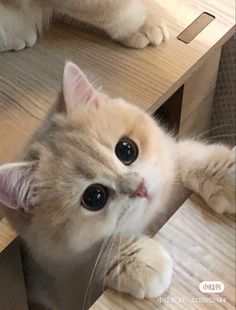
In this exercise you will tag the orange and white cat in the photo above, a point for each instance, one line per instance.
(128, 21)
(96, 175)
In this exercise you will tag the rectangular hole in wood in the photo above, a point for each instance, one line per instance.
(195, 27)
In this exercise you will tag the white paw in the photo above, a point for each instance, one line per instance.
(144, 271)
(15, 41)
(219, 192)
(151, 33)
(17, 30)
(221, 205)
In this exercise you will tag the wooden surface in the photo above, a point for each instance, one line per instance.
(202, 244)
(30, 79)
(7, 234)
(196, 27)
(12, 294)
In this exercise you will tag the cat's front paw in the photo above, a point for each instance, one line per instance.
(152, 32)
(219, 190)
(16, 30)
(144, 270)
(13, 42)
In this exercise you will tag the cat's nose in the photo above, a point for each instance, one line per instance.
(141, 191)
(132, 184)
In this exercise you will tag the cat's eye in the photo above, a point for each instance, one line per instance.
(95, 197)
(127, 151)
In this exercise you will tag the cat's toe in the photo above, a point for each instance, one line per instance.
(19, 44)
(156, 34)
(148, 34)
(158, 285)
(31, 39)
(135, 40)
(222, 205)
(151, 285)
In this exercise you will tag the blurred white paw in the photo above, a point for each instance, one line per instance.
(17, 29)
(11, 40)
(144, 270)
(152, 32)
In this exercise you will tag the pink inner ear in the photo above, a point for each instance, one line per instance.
(14, 185)
(76, 87)
(9, 201)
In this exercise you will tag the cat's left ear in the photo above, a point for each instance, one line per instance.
(16, 186)
(77, 89)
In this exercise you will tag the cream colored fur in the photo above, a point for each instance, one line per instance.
(209, 170)
(127, 21)
(69, 245)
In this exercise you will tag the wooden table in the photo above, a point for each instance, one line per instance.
(202, 244)
(172, 76)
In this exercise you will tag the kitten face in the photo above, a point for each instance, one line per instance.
(83, 152)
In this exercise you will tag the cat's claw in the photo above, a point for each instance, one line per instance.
(145, 271)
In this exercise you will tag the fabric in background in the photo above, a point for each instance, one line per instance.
(223, 119)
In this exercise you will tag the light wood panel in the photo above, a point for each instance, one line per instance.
(196, 27)
(7, 234)
(202, 244)
(30, 79)
(198, 96)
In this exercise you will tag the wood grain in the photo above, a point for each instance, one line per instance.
(30, 79)
(196, 27)
(197, 98)
(202, 244)
(7, 234)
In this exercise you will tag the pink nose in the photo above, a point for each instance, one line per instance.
(141, 191)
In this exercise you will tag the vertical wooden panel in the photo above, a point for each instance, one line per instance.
(198, 97)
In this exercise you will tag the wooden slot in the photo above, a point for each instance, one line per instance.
(195, 27)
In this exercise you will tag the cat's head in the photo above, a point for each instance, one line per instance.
(103, 166)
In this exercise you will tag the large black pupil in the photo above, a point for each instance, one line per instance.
(95, 197)
(126, 151)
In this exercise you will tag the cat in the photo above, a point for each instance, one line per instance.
(94, 177)
(129, 22)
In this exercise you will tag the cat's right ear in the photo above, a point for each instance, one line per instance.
(16, 185)
(77, 90)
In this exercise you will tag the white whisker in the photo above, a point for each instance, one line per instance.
(94, 269)
(119, 254)
(108, 258)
